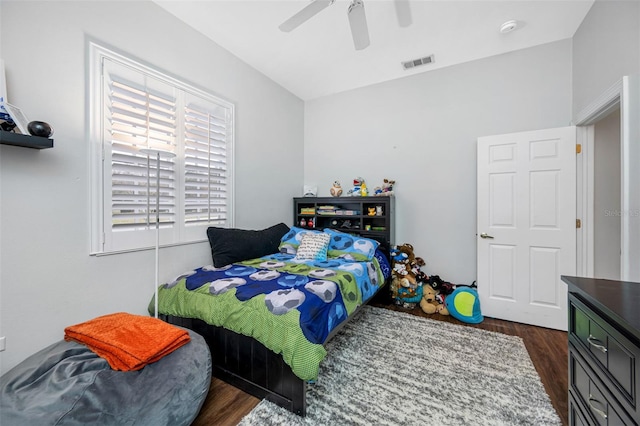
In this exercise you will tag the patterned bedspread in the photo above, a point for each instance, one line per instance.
(288, 305)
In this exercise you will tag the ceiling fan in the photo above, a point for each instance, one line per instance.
(355, 12)
(356, 15)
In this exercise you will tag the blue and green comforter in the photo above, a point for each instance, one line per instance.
(288, 305)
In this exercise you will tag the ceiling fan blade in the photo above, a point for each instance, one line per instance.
(305, 14)
(358, 23)
(403, 12)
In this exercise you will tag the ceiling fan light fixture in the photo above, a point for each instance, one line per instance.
(508, 26)
(358, 23)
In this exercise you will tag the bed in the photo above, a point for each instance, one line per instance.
(271, 300)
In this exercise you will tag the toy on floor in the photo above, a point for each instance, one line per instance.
(464, 305)
(406, 288)
(428, 302)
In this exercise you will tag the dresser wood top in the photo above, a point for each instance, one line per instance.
(620, 300)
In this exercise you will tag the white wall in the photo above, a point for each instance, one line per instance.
(47, 278)
(606, 47)
(421, 130)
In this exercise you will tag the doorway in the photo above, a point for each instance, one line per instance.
(607, 212)
(618, 107)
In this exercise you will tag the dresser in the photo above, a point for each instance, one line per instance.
(604, 351)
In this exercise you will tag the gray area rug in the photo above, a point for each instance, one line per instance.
(393, 368)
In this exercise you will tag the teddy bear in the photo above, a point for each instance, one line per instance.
(336, 189)
(432, 302)
(428, 303)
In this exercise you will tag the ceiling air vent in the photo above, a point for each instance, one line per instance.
(417, 62)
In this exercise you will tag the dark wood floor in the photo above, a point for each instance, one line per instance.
(226, 405)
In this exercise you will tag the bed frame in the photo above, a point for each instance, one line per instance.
(248, 365)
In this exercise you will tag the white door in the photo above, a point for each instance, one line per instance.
(526, 225)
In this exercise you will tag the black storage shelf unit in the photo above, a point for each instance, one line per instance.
(352, 215)
(25, 141)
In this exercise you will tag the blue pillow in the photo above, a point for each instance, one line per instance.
(351, 246)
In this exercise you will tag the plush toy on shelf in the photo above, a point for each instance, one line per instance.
(357, 190)
(336, 189)
(386, 189)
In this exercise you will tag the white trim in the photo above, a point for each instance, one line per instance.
(624, 94)
(630, 185)
(109, 253)
(602, 106)
(584, 201)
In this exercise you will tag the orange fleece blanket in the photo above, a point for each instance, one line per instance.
(128, 342)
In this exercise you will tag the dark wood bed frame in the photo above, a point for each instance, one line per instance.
(247, 364)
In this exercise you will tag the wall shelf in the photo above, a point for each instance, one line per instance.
(25, 141)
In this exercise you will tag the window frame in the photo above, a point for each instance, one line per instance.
(100, 219)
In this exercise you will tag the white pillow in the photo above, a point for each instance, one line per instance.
(313, 246)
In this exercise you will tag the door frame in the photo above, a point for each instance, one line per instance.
(613, 98)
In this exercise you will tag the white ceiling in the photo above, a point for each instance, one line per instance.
(318, 58)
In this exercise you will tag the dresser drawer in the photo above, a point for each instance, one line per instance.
(608, 350)
(599, 405)
(576, 416)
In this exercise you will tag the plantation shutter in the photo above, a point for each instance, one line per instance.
(206, 170)
(136, 109)
(140, 113)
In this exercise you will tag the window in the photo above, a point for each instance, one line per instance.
(157, 142)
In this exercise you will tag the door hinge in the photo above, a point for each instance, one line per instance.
(578, 148)
(578, 223)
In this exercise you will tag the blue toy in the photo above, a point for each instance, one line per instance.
(464, 305)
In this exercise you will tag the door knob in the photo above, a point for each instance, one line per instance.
(484, 235)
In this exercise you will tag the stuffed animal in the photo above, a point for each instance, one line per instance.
(406, 289)
(428, 303)
(371, 211)
(336, 189)
(387, 188)
(432, 302)
(464, 304)
(421, 277)
(441, 286)
(356, 191)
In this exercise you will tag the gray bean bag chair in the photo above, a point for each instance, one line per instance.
(67, 384)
